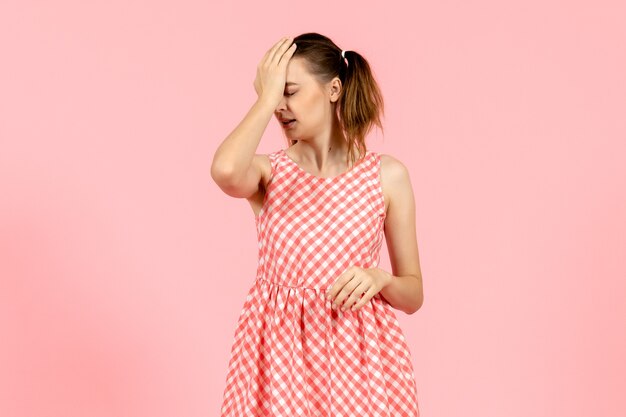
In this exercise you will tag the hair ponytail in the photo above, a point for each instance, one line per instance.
(361, 102)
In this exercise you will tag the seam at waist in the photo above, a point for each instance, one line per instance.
(300, 287)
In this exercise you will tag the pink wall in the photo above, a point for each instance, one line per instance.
(123, 267)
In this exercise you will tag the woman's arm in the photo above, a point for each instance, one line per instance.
(232, 168)
(405, 290)
(235, 167)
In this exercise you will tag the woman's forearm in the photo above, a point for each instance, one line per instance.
(404, 293)
(234, 155)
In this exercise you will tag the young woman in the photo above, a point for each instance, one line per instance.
(317, 335)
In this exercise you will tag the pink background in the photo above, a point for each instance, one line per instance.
(124, 267)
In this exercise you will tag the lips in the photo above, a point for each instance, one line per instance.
(287, 123)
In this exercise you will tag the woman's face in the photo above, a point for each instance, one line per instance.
(306, 101)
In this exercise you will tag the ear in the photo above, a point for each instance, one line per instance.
(335, 89)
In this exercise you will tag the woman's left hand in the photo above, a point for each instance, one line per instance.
(355, 281)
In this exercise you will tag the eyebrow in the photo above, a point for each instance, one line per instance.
(290, 83)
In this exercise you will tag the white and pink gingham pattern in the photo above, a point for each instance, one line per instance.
(293, 354)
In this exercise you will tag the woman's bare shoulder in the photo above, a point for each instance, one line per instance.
(391, 165)
(394, 176)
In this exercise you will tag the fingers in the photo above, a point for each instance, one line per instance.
(364, 299)
(340, 283)
(279, 53)
(267, 57)
(355, 296)
(277, 50)
(350, 292)
(288, 54)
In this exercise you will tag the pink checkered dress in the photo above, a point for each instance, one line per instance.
(293, 354)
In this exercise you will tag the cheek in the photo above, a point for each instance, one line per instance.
(316, 113)
(308, 108)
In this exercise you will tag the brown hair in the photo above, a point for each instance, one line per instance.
(361, 103)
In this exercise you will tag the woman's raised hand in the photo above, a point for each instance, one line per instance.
(271, 73)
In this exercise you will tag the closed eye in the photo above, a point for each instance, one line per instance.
(287, 94)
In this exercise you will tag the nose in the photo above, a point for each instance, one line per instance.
(281, 105)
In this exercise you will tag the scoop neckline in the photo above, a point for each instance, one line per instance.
(343, 174)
